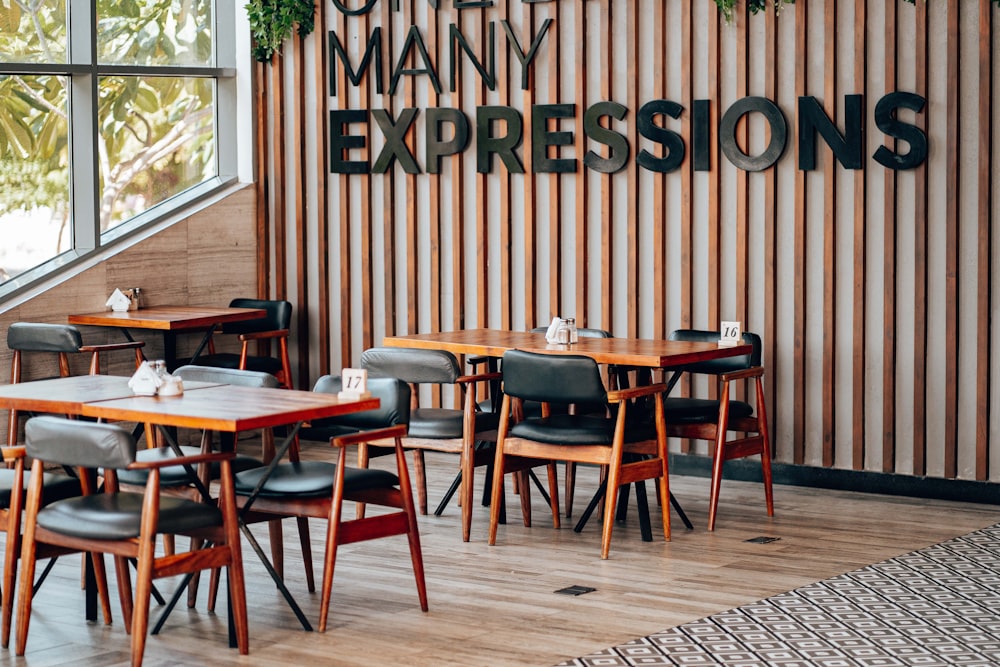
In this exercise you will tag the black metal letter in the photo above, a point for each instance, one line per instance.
(885, 120)
(542, 138)
(526, 58)
(701, 140)
(779, 133)
(618, 143)
(846, 147)
(374, 47)
(395, 145)
(436, 147)
(413, 38)
(487, 144)
(673, 143)
(340, 142)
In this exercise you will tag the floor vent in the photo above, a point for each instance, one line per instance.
(763, 539)
(575, 590)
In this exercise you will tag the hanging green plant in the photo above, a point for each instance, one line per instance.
(271, 23)
(755, 6)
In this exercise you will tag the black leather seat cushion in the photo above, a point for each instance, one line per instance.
(231, 360)
(311, 479)
(117, 516)
(442, 423)
(566, 429)
(56, 486)
(701, 410)
(177, 475)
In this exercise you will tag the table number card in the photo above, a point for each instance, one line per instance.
(354, 384)
(731, 334)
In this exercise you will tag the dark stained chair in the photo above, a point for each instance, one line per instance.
(126, 524)
(13, 483)
(318, 489)
(633, 447)
(714, 419)
(272, 328)
(468, 431)
(62, 340)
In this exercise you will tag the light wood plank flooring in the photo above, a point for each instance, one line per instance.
(497, 605)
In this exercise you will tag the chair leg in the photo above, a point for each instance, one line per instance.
(364, 456)
(124, 580)
(306, 544)
(101, 579)
(719, 455)
(570, 487)
(412, 531)
(553, 493)
(466, 491)
(332, 529)
(24, 598)
(610, 500)
(421, 479)
(276, 536)
(496, 497)
(524, 493)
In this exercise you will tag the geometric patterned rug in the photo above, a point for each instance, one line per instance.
(935, 606)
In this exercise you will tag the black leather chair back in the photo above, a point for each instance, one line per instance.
(38, 337)
(552, 378)
(231, 376)
(279, 316)
(72, 442)
(394, 403)
(727, 364)
(412, 365)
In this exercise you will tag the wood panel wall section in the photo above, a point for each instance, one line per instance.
(874, 305)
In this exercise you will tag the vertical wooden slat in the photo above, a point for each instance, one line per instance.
(985, 239)
(686, 257)
(799, 244)
(483, 204)
(952, 221)
(529, 98)
(263, 199)
(365, 184)
(658, 292)
(434, 203)
(770, 48)
(632, 216)
(414, 291)
(322, 252)
(302, 249)
(859, 324)
(457, 213)
(920, 223)
(280, 178)
(344, 212)
(712, 206)
(555, 207)
(608, 283)
(889, 284)
(581, 214)
(389, 184)
(829, 237)
(742, 259)
(506, 267)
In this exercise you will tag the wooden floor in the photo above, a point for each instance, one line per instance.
(497, 605)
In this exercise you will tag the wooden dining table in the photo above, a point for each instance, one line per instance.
(202, 406)
(619, 352)
(170, 320)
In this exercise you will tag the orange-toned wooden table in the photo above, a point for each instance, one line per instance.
(207, 406)
(170, 320)
(634, 352)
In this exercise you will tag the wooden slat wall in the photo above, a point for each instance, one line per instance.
(873, 303)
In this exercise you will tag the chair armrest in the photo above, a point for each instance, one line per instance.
(209, 457)
(108, 347)
(477, 360)
(261, 335)
(12, 452)
(742, 374)
(397, 431)
(480, 377)
(635, 392)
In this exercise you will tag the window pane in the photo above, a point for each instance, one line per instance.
(33, 32)
(34, 174)
(149, 33)
(157, 140)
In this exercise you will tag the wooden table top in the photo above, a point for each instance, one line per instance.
(227, 408)
(203, 405)
(620, 351)
(167, 318)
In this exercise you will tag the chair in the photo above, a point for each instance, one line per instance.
(319, 488)
(272, 327)
(463, 431)
(13, 482)
(632, 447)
(175, 480)
(713, 419)
(126, 524)
(61, 340)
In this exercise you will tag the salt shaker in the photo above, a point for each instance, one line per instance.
(571, 325)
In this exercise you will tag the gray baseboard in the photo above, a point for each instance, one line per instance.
(844, 480)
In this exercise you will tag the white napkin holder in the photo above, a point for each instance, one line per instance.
(119, 301)
(145, 381)
(558, 332)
